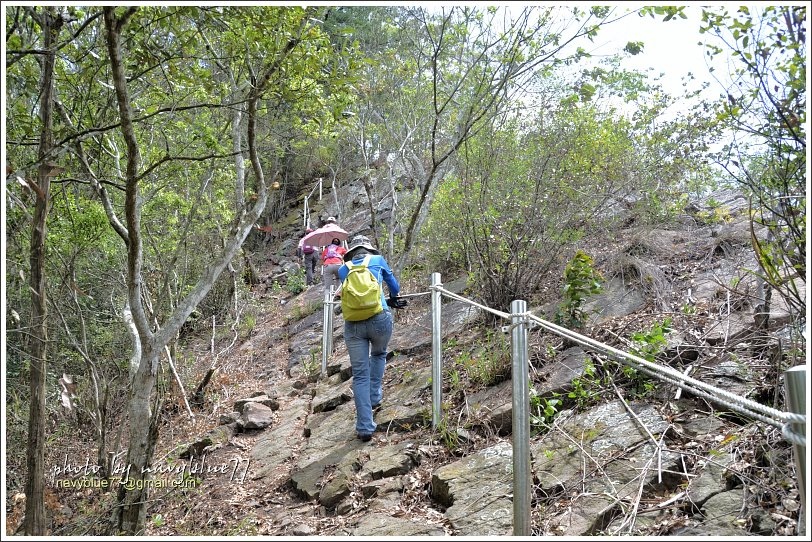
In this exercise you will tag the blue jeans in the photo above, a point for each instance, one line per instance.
(366, 343)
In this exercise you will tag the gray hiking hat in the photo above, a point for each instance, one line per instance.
(359, 241)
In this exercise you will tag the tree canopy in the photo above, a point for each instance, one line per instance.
(143, 142)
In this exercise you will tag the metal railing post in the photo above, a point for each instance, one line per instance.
(795, 387)
(326, 330)
(436, 351)
(330, 319)
(521, 420)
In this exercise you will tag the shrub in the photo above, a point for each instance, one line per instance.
(580, 281)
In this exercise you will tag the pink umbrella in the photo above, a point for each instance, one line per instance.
(324, 236)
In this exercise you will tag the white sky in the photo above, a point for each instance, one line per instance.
(671, 48)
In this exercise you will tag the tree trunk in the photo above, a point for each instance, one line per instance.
(35, 522)
(133, 491)
(133, 495)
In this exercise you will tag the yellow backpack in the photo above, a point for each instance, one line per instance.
(361, 292)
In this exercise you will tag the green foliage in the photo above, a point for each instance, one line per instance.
(765, 107)
(717, 215)
(581, 280)
(455, 382)
(447, 433)
(666, 12)
(585, 388)
(639, 386)
(649, 344)
(488, 364)
(303, 310)
(525, 190)
(247, 324)
(542, 409)
(297, 282)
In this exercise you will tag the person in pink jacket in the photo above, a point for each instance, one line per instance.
(332, 257)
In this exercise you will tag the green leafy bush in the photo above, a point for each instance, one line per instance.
(580, 281)
(296, 282)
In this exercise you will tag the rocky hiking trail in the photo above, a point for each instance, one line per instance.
(661, 465)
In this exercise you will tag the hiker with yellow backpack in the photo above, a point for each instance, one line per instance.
(368, 325)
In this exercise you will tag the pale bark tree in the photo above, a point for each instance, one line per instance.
(478, 60)
(443, 76)
(130, 516)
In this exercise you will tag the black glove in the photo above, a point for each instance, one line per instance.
(396, 302)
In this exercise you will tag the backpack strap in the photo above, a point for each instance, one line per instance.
(364, 262)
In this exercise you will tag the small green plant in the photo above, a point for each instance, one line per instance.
(158, 520)
(303, 310)
(490, 363)
(455, 381)
(311, 366)
(542, 409)
(296, 282)
(581, 280)
(717, 215)
(735, 282)
(583, 391)
(648, 345)
(247, 324)
(447, 434)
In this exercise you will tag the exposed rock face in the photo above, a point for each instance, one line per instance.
(611, 469)
(256, 416)
(478, 492)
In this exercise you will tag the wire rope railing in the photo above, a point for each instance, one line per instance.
(306, 206)
(792, 423)
(780, 419)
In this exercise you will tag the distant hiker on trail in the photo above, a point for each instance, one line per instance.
(367, 326)
(332, 257)
(310, 256)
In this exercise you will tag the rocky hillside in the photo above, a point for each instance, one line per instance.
(273, 450)
(614, 454)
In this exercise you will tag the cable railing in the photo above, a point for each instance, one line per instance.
(306, 206)
(792, 423)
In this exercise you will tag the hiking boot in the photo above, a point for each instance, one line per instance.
(365, 437)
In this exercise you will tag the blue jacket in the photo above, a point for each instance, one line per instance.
(380, 269)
